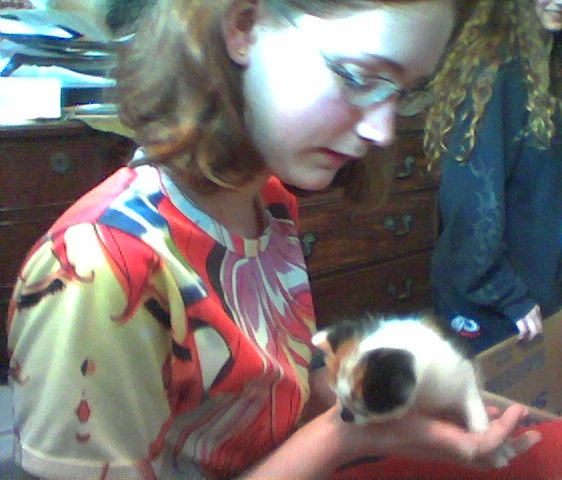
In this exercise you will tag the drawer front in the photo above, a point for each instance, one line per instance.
(410, 170)
(411, 163)
(333, 238)
(37, 171)
(393, 287)
(3, 339)
(19, 229)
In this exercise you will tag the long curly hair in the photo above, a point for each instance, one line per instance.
(496, 32)
(181, 93)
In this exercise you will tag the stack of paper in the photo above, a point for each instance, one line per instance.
(55, 45)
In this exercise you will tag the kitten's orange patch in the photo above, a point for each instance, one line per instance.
(335, 359)
(358, 375)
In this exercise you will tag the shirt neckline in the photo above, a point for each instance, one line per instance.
(247, 247)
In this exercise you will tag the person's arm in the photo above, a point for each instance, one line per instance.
(326, 442)
(320, 446)
(86, 362)
(322, 395)
(471, 268)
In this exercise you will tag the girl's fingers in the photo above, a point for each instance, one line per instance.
(525, 441)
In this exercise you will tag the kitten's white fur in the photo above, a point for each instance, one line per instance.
(446, 381)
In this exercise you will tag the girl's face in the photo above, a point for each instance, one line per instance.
(550, 14)
(314, 88)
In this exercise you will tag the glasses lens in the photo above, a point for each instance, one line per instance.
(375, 93)
(413, 102)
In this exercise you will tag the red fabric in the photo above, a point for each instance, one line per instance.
(542, 462)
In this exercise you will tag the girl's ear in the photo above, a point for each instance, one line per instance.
(237, 29)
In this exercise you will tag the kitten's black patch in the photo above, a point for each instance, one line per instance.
(389, 379)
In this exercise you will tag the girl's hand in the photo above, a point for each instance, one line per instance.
(327, 442)
(426, 438)
(530, 325)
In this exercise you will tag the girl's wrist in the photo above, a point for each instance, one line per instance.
(344, 438)
(312, 452)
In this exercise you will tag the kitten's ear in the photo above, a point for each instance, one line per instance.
(320, 340)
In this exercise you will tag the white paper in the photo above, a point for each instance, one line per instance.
(17, 27)
(47, 22)
(67, 78)
(24, 99)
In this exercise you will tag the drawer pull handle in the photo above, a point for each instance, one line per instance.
(307, 241)
(61, 163)
(405, 294)
(399, 230)
(408, 169)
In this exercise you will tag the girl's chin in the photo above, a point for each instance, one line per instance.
(312, 186)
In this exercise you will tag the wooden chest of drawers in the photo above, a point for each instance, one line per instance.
(377, 262)
(43, 169)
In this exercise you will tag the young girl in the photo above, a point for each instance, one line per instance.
(161, 328)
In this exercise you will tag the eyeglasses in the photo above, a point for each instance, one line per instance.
(361, 92)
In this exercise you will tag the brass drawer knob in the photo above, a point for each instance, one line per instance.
(408, 169)
(61, 163)
(307, 241)
(404, 294)
(399, 227)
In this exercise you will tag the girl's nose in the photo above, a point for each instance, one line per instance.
(378, 123)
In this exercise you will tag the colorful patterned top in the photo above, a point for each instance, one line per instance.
(145, 338)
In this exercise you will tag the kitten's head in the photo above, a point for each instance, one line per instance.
(373, 384)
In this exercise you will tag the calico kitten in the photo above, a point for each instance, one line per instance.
(381, 368)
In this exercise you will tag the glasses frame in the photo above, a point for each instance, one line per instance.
(359, 92)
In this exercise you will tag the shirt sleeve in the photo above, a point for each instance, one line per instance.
(471, 270)
(85, 408)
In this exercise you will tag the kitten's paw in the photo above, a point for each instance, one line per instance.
(503, 456)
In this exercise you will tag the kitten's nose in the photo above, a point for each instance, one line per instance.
(346, 415)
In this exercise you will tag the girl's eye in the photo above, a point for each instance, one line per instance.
(351, 79)
(355, 83)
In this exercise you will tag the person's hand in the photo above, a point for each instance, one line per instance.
(530, 325)
(426, 438)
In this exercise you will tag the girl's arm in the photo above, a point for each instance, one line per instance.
(326, 442)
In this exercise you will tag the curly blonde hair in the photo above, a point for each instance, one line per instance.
(495, 33)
